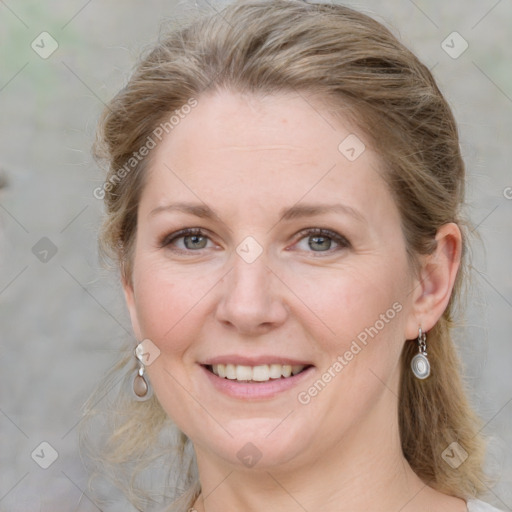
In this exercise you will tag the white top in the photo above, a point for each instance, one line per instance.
(480, 506)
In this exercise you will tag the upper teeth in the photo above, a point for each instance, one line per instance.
(258, 373)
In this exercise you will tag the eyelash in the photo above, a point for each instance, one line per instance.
(342, 242)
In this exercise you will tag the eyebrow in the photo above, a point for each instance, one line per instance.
(310, 210)
(295, 212)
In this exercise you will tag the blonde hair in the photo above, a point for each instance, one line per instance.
(361, 70)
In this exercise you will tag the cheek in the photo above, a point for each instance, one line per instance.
(365, 309)
(349, 299)
(168, 302)
(365, 313)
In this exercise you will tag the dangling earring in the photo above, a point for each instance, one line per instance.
(140, 384)
(420, 364)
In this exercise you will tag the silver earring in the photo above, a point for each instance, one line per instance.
(420, 364)
(141, 388)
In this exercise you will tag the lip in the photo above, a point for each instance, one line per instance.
(258, 390)
(253, 361)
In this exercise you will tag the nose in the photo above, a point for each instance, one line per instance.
(252, 300)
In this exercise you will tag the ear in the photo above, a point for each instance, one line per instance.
(129, 295)
(433, 287)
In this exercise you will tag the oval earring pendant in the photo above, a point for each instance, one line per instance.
(420, 366)
(141, 389)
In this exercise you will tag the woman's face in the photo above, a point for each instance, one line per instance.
(299, 258)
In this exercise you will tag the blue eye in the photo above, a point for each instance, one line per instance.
(318, 240)
(322, 240)
(193, 238)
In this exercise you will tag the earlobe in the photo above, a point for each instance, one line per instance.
(436, 280)
(129, 295)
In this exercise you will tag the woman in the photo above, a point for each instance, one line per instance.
(283, 200)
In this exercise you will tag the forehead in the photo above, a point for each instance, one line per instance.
(274, 126)
(264, 152)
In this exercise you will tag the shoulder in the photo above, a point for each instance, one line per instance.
(480, 506)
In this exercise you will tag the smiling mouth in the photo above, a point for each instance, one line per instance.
(255, 374)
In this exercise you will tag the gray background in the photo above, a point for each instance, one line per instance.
(62, 320)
